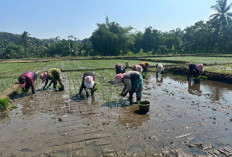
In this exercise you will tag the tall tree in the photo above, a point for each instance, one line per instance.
(222, 12)
(110, 39)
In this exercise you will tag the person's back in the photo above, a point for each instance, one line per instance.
(87, 83)
(26, 81)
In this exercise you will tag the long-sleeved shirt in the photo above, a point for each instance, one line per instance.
(132, 79)
(54, 74)
(30, 78)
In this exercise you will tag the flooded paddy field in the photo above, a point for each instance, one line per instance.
(185, 119)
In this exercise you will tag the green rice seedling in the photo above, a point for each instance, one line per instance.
(202, 77)
(14, 107)
(4, 104)
(74, 82)
(58, 86)
(69, 84)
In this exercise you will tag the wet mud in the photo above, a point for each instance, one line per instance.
(185, 119)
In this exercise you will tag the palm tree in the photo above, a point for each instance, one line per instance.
(222, 12)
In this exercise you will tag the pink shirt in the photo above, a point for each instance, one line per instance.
(30, 78)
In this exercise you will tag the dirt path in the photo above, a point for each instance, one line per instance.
(183, 121)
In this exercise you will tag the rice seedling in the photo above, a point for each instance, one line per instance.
(4, 104)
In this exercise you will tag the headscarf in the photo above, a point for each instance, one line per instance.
(118, 78)
(138, 68)
(88, 82)
(44, 76)
(200, 67)
(159, 67)
(22, 82)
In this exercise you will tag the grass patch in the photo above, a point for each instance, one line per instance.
(4, 104)
(14, 107)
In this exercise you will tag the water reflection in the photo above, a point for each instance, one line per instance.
(194, 88)
(130, 119)
(216, 91)
(217, 94)
(159, 79)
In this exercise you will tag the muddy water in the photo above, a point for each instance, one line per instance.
(184, 119)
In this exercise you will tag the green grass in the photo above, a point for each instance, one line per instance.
(14, 107)
(193, 59)
(226, 69)
(4, 104)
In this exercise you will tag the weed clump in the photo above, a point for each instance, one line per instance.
(4, 104)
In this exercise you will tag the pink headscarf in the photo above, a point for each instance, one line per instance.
(22, 85)
(200, 67)
(138, 68)
(88, 82)
(44, 76)
(118, 78)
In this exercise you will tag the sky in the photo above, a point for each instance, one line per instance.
(51, 18)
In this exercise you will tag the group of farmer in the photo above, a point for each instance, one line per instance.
(132, 80)
(27, 80)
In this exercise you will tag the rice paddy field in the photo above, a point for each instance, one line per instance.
(184, 119)
(9, 72)
(197, 59)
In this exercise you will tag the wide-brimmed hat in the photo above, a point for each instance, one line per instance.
(200, 67)
(89, 82)
(118, 78)
(43, 77)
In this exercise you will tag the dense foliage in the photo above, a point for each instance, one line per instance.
(111, 39)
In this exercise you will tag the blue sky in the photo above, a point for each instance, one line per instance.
(51, 18)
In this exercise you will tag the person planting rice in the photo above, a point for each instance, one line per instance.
(119, 68)
(26, 81)
(159, 68)
(88, 83)
(195, 70)
(133, 83)
(138, 68)
(127, 65)
(145, 66)
(54, 75)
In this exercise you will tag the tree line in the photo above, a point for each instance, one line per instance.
(111, 39)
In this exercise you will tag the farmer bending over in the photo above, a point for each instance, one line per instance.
(119, 68)
(26, 81)
(133, 83)
(54, 75)
(145, 66)
(159, 68)
(195, 70)
(87, 83)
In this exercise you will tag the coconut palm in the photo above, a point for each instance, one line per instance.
(222, 12)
